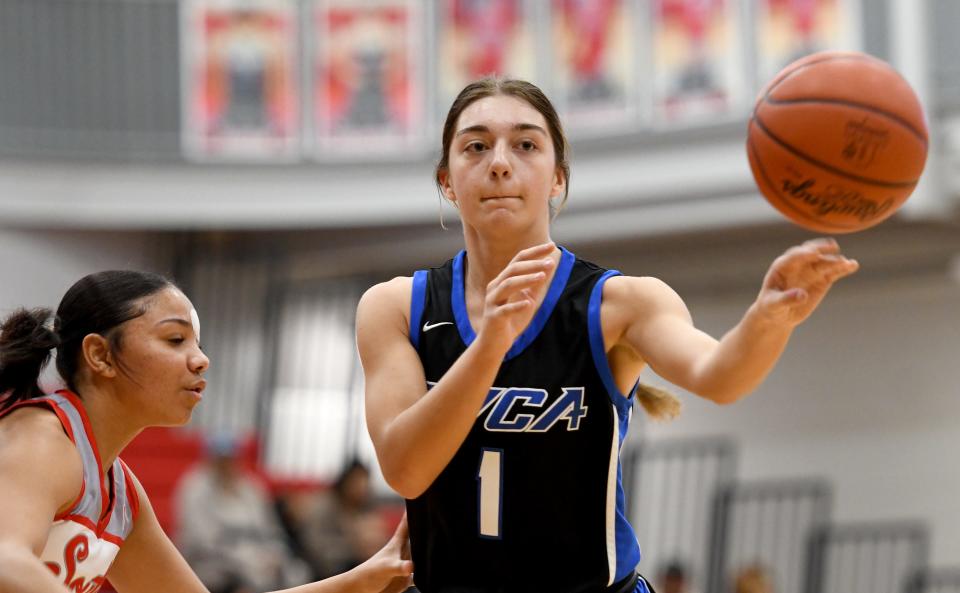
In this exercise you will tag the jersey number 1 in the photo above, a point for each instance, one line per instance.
(490, 478)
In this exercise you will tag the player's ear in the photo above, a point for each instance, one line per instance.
(443, 178)
(559, 183)
(98, 355)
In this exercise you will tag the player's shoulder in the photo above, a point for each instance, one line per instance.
(388, 293)
(33, 441)
(386, 304)
(34, 427)
(621, 286)
(640, 293)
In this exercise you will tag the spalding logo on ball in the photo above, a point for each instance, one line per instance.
(837, 141)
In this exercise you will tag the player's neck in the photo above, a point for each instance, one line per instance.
(109, 424)
(487, 257)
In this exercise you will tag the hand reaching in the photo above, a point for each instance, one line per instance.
(389, 570)
(799, 279)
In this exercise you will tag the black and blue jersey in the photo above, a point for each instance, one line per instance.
(532, 501)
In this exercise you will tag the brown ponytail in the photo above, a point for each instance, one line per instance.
(659, 404)
(25, 345)
(95, 304)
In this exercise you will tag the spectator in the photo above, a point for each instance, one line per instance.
(227, 528)
(675, 578)
(343, 524)
(754, 578)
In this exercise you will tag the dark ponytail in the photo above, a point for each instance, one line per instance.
(95, 304)
(25, 345)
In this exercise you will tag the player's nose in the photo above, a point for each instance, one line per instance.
(500, 167)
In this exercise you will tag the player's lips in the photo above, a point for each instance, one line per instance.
(198, 387)
(490, 198)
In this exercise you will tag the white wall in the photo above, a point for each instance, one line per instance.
(675, 184)
(38, 266)
(867, 395)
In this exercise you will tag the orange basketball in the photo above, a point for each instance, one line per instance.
(837, 141)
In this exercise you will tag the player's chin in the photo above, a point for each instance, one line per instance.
(182, 413)
(508, 218)
(173, 421)
(501, 215)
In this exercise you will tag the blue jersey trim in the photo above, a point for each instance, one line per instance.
(459, 302)
(557, 285)
(599, 351)
(642, 586)
(628, 550)
(417, 301)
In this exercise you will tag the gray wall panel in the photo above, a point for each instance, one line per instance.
(89, 78)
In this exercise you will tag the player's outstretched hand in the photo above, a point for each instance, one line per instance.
(799, 279)
(390, 570)
(512, 296)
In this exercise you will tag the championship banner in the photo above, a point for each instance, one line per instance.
(477, 38)
(790, 29)
(698, 65)
(367, 77)
(595, 61)
(240, 71)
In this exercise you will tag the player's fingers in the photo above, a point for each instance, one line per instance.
(513, 307)
(519, 268)
(793, 296)
(526, 261)
(400, 575)
(509, 287)
(831, 258)
(799, 262)
(537, 251)
(826, 264)
(402, 532)
(823, 245)
(795, 258)
(840, 270)
(814, 247)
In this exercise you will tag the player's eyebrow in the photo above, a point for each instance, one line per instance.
(176, 320)
(480, 128)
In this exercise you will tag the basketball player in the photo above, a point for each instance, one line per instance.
(73, 514)
(499, 386)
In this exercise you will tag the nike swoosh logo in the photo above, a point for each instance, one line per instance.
(428, 326)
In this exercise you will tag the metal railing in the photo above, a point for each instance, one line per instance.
(670, 487)
(767, 524)
(935, 581)
(880, 557)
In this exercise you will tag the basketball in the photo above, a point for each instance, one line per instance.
(837, 141)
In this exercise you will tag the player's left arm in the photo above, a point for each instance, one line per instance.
(650, 318)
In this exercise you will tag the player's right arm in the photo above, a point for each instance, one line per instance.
(40, 472)
(416, 432)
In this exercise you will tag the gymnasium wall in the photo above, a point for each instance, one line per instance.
(866, 395)
(38, 266)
